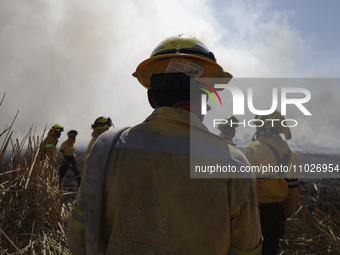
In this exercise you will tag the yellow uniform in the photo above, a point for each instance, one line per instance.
(89, 147)
(68, 158)
(151, 205)
(49, 146)
(283, 189)
(276, 173)
(95, 134)
(228, 138)
(67, 149)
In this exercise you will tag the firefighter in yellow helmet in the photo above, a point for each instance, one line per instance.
(49, 146)
(148, 204)
(100, 125)
(228, 129)
(68, 156)
(278, 192)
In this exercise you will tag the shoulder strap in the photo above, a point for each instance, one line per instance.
(280, 161)
(94, 184)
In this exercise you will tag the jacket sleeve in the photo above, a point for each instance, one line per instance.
(88, 150)
(292, 199)
(249, 152)
(61, 152)
(245, 226)
(293, 190)
(76, 227)
(48, 148)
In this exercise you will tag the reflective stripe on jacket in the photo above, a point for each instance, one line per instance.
(152, 206)
(48, 147)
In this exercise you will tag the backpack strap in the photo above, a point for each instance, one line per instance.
(94, 185)
(280, 161)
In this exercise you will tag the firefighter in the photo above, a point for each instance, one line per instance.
(100, 125)
(278, 192)
(148, 204)
(68, 157)
(49, 146)
(228, 129)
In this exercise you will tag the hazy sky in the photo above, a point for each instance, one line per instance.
(69, 62)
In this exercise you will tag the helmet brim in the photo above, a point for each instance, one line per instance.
(177, 55)
(216, 71)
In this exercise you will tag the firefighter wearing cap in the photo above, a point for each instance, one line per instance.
(100, 125)
(278, 192)
(68, 156)
(228, 129)
(48, 147)
(150, 205)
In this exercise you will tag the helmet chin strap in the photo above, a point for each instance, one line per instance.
(264, 131)
(255, 136)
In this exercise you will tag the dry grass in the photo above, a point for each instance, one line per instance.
(315, 226)
(33, 213)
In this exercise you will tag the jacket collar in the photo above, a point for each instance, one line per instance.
(176, 115)
(276, 141)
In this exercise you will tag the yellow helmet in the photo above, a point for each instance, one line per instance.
(102, 123)
(276, 115)
(72, 132)
(58, 127)
(199, 61)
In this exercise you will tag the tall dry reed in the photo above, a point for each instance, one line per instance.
(33, 213)
(315, 227)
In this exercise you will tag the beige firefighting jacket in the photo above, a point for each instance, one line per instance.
(152, 206)
(67, 148)
(95, 135)
(228, 139)
(49, 146)
(278, 189)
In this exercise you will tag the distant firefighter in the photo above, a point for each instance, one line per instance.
(68, 156)
(100, 125)
(48, 147)
(278, 191)
(228, 130)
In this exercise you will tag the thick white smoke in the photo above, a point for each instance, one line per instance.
(69, 62)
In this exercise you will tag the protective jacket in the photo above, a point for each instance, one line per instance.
(68, 157)
(228, 138)
(275, 187)
(95, 134)
(49, 146)
(151, 205)
(67, 148)
(89, 147)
